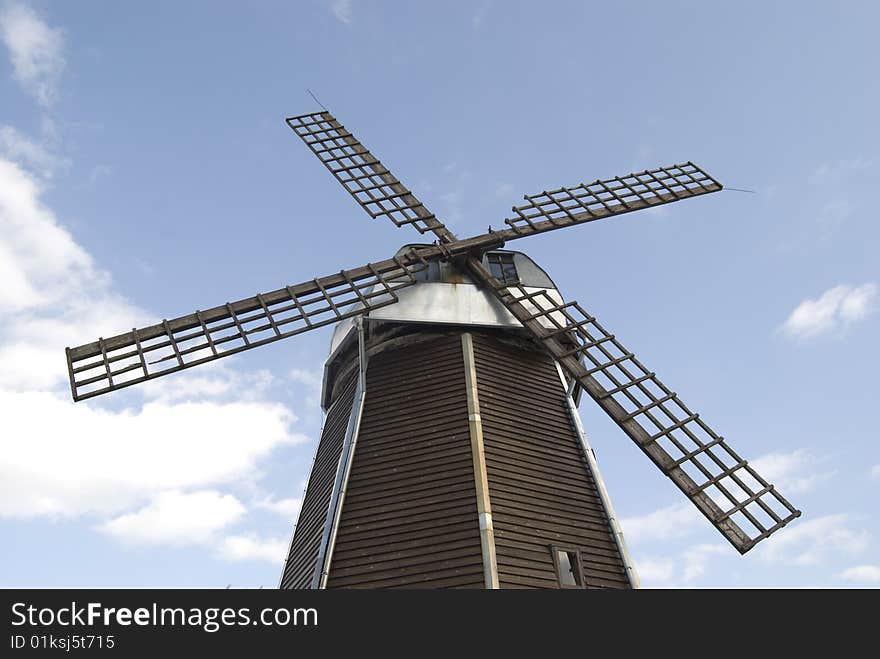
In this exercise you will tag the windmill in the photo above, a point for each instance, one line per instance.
(452, 453)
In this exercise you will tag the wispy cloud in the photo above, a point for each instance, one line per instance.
(312, 380)
(202, 517)
(41, 264)
(504, 190)
(814, 541)
(479, 15)
(834, 171)
(176, 518)
(215, 382)
(35, 50)
(342, 10)
(287, 508)
(17, 147)
(834, 310)
(98, 172)
(875, 471)
(862, 574)
(60, 459)
(253, 547)
(665, 523)
(451, 191)
(696, 559)
(643, 159)
(681, 570)
(655, 570)
(831, 217)
(796, 472)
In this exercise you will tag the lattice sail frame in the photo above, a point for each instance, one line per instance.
(567, 206)
(375, 189)
(743, 506)
(173, 345)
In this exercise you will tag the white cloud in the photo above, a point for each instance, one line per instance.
(645, 156)
(206, 382)
(342, 10)
(875, 471)
(313, 379)
(814, 541)
(504, 191)
(655, 571)
(46, 263)
(212, 381)
(287, 508)
(249, 547)
(835, 309)
(670, 522)
(831, 217)
(146, 474)
(792, 473)
(175, 518)
(53, 293)
(862, 574)
(102, 171)
(63, 459)
(696, 558)
(179, 519)
(480, 14)
(679, 571)
(18, 147)
(58, 458)
(834, 171)
(453, 192)
(35, 50)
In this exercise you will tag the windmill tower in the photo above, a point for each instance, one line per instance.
(452, 454)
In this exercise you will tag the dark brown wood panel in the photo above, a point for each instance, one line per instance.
(418, 531)
(409, 519)
(540, 485)
(300, 566)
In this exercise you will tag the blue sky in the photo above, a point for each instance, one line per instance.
(146, 171)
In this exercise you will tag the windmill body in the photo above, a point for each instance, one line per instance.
(452, 454)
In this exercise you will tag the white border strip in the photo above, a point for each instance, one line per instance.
(478, 456)
(346, 457)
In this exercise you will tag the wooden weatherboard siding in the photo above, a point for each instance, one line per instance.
(540, 486)
(409, 519)
(300, 567)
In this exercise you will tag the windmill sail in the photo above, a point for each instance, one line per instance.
(587, 202)
(173, 345)
(740, 503)
(366, 179)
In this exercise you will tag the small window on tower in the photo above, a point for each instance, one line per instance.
(568, 567)
(431, 273)
(501, 266)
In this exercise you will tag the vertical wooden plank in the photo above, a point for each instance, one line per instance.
(478, 454)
